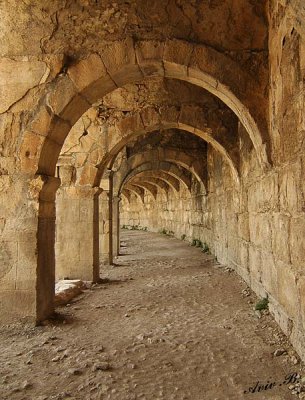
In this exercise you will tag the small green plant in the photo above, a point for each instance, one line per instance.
(170, 233)
(164, 231)
(262, 304)
(197, 243)
(183, 236)
(205, 248)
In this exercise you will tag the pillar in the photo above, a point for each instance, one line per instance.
(27, 257)
(77, 237)
(104, 226)
(116, 225)
(110, 202)
(96, 235)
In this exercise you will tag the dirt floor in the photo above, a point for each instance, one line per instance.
(167, 322)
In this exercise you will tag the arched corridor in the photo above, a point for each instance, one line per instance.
(139, 117)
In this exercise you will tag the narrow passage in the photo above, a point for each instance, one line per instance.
(167, 322)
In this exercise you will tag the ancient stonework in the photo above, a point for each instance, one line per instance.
(186, 118)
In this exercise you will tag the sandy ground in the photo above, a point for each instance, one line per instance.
(167, 323)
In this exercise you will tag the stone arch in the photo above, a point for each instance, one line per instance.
(138, 191)
(147, 186)
(157, 182)
(74, 91)
(125, 62)
(169, 168)
(160, 175)
(189, 119)
(165, 160)
(177, 157)
(126, 194)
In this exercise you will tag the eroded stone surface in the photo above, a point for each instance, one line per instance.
(88, 87)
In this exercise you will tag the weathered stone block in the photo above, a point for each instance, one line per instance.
(297, 241)
(88, 175)
(120, 61)
(17, 304)
(30, 151)
(289, 179)
(301, 298)
(149, 57)
(86, 210)
(243, 226)
(176, 57)
(8, 261)
(269, 274)
(130, 125)
(287, 288)
(260, 230)
(17, 77)
(86, 253)
(263, 194)
(255, 262)
(67, 210)
(87, 71)
(280, 237)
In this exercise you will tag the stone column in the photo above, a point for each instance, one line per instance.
(27, 260)
(96, 235)
(77, 233)
(119, 227)
(110, 201)
(46, 249)
(116, 225)
(104, 226)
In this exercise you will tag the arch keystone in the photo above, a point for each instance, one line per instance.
(132, 124)
(120, 61)
(86, 71)
(176, 57)
(169, 114)
(149, 56)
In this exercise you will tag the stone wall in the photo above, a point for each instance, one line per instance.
(285, 246)
(80, 79)
(257, 229)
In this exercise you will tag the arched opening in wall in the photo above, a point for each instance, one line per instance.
(89, 80)
(166, 195)
(184, 209)
(162, 159)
